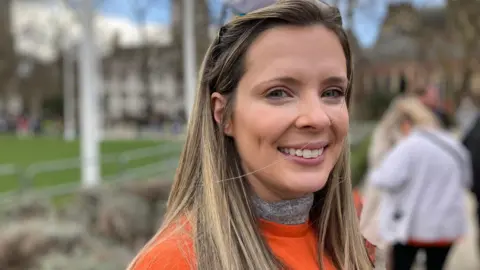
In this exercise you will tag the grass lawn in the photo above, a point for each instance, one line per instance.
(23, 152)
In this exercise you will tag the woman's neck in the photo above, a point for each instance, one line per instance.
(289, 212)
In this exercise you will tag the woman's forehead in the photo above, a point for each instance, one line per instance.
(296, 52)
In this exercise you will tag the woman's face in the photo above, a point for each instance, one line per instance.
(290, 117)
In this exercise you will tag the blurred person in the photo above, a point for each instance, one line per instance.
(430, 96)
(268, 192)
(385, 136)
(466, 115)
(422, 179)
(22, 125)
(472, 143)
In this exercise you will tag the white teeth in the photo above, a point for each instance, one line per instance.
(305, 153)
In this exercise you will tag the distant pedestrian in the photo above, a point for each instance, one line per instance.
(422, 179)
(472, 143)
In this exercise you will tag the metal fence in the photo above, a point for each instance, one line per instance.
(163, 161)
(129, 165)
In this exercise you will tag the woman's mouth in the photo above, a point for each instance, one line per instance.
(302, 153)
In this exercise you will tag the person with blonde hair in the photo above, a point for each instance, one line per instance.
(422, 180)
(386, 136)
(263, 180)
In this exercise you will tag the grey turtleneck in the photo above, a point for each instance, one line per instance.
(289, 212)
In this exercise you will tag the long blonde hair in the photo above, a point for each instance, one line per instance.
(412, 109)
(209, 187)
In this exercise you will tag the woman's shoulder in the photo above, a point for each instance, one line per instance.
(172, 249)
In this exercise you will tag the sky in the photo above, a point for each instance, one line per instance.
(366, 22)
(159, 9)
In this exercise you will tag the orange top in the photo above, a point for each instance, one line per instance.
(358, 200)
(294, 245)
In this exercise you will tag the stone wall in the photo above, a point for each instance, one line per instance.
(100, 229)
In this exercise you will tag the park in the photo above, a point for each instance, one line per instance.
(95, 97)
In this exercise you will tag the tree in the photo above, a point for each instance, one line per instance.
(40, 78)
(349, 9)
(202, 25)
(141, 10)
(8, 60)
(464, 22)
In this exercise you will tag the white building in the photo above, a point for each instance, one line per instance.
(42, 31)
(125, 91)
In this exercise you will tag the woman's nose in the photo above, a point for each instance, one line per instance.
(312, 115)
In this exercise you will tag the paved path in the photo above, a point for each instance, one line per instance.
(465, 255)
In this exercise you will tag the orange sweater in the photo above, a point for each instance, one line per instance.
(294, 245)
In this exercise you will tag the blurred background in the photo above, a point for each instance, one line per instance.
(96, 93)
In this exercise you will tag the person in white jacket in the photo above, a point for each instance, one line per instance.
(385, 136)
(422, 180)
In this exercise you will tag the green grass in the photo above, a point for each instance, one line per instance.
(23, 152)
(27, 151)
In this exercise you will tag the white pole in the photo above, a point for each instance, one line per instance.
(89, 99)
(189, 55)
(69, 129)
(101, 92)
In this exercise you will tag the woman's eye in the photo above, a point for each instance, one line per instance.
(333, 93)
(278, 94)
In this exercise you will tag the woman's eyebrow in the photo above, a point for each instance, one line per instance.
(284, 79)
(336, 80)
(289, 80)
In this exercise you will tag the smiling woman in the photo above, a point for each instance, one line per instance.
(299, 90)
(263, 181)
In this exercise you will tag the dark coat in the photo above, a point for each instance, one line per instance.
(472, 143)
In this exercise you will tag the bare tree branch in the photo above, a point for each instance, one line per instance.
(141, 10)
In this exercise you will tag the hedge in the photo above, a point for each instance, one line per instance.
(359, 161)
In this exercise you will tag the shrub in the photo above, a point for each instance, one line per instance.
(359, 161)
(374, 104)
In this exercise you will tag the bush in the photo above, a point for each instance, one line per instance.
(374, 104)
(359, 161)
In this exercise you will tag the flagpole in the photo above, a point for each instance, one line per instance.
(90, 170)
(189, 55)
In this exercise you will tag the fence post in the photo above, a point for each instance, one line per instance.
(122, 165)
(23, 181)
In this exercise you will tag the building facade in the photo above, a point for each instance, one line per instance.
(140, 82)
(416, 45)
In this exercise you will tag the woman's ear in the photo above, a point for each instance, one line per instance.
(218, 104)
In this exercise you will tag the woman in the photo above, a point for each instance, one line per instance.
(471, 140)
(423, 179)
(263, 180)
(385, 136)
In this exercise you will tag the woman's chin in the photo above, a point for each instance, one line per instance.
(306, 186)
